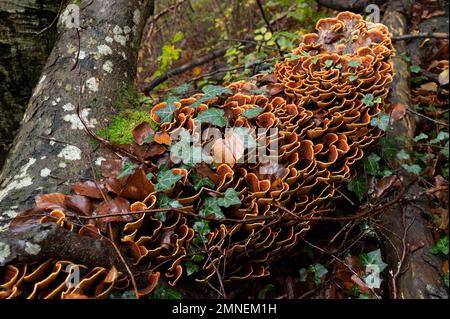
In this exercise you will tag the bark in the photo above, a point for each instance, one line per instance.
(23, 52)
(31, 242)
(350, 5)
(421, 275)
(88, 65)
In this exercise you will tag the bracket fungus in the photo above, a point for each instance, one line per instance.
(317, 102)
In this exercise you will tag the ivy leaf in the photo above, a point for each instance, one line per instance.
(163, 292)
(127, 169)
(319, 271)
(368, 99)
(149, 176)
(328, 63)
(358, 186)
(211, 206)
(230, 198)
(403, 155)
(166, 180)
(413, 169)
(182, 89)
(381, 121)
(252, 113)
(338, 66)
(415, 68)
(315, 60)
(353, 77)
(373, 258)
(354, 63)
(303, 274)
(446, 279)
(166, 113)
(202, 227)
(441, 246)
(213, 116)
(191, 268)
(165, 201)
(445, 150)
(215, 90)
(421, 136)
(442, 136)
(371, 163)
(200, 181)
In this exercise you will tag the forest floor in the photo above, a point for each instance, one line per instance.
(335, 254)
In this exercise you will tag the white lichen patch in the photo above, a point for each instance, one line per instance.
(82, 55)
(32, 249)
(136, 16)
(62, 165)
(10, 213)
(108, 66)
(70, 153)
(45, 172)
(75, 122)
(68, 107)
(104, 49)
(124, 56)
(20, 180)
(99, 160)
(117, 30)
(121, 39)
(126, 29)
(5, 251)
(92, 84)
(109, 39)
(52, 143)
(43, 157)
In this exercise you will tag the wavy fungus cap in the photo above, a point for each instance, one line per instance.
(316, 101)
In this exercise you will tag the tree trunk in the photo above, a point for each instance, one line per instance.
(88, 65)
(420, 275)
(23, 52)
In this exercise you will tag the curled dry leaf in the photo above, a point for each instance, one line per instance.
(111, 167)
(137, 187)
(119, 206)
(89, 189)
(141, 132)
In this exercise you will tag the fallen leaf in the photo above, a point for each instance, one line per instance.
(89, 189)
(163, 138)
(137, 187)
(111, 167)
(141, 132)
(398, 111)
(430, 86)
(443, 77)
(385, 184)
(119, 206)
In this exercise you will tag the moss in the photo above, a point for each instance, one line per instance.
(119, 131)
(128, 98)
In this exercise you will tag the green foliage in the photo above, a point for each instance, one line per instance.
(169, 55)
(413, 169)
(369, 99)
(210, 92)
(213, 205)
(358, 186)
(200, 181)
(127, 169)
(381, 121)
(441, 246)
(166, 113)
(371, 163)
(446, 279)
(354, 63)
(353, 77)
(415, 68)
(213, 116)
(191, 268)
(166, 179)
(120, 129)
(318, 270)
(402, 155)
(129, 294)
(373, 261)
(164, 292)
(267, 289)
(329, 63)
(252, 113)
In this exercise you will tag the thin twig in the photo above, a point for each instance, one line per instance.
(426, 117)
(269, 26)
(435, 35)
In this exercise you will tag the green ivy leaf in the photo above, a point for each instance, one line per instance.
(163, 292)
(368, 99)
(381, 121)
(166, 113)
(358, 186)
(213, 116)
(371, 163)
(446, 279)
(215, 90)
(415, 68)
(403, 155)
(252, 113)
(191, 268)
(353, 77)
(413, 169)
(230, 198)
(202, 227)
(303, 274)
(127, 169)
(354, 63)
(211, 206)
(338, 66)
(200, 181)
(315, 60)
(149, 176)
(445, 150)
(319, 271)
(442, 136)
(263, 292)
(328, 63)
(165, 201)
(440, 247)
(166, 180)
(421, 136)
(182, 89)
(373, 258)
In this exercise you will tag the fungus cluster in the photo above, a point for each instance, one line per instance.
(321, 100)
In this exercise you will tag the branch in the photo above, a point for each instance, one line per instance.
(435, 35)
(351, 5)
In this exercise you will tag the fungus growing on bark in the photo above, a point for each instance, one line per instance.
(321, 102)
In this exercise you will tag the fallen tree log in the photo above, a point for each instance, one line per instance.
(88, 65)
(413, 271)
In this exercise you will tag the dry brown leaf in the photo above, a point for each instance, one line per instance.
(430, 86)
(141, 132)
(398, 111)
(89, 189)
(163, 138)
